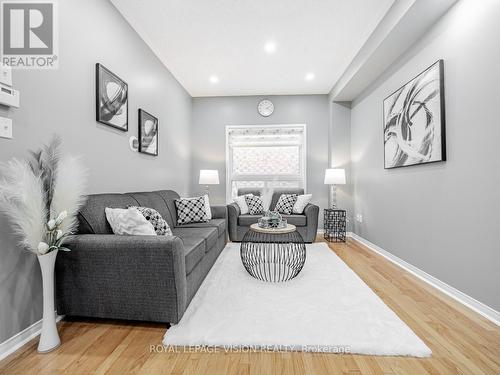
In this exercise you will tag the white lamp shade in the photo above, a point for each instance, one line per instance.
(209, 177)
(335, 176)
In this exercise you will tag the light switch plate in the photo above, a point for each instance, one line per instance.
(5, 128)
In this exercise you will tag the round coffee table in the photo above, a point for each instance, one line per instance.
(273, 255)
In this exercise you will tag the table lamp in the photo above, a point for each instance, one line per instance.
(334, 176)
(209, 177)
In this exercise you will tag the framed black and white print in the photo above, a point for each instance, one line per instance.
(414, 121)
(148, 133)
(111, 99)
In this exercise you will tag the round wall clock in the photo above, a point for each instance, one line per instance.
(265, 108)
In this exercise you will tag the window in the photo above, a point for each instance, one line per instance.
(265, 157)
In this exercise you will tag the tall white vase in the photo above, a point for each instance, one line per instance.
(49, 339)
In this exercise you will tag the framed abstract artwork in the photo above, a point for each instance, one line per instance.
(111, 99)
(414, 121)
(148, 133)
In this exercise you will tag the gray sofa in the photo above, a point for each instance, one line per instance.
(238, 224)
(149, 278)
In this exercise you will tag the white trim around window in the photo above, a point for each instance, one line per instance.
(292, 135)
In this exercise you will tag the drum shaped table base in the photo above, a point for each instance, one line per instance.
(273, 257)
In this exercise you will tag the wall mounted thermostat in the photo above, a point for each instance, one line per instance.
(5, 127)
(6, 75)
(8, 96)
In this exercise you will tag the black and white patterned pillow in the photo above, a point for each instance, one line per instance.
(254, 203)
(159, 224)
(191, 210)
(285, 203)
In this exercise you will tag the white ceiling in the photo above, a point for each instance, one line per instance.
(197, 39)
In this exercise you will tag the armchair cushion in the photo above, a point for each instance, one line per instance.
(297, 220)
(247, 220)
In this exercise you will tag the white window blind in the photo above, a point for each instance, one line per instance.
(265, 157)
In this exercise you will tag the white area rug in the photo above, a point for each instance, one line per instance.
(327, 308)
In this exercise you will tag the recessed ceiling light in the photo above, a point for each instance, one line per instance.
(214, 79)
(270, 47)
(309, 76)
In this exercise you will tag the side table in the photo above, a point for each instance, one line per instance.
(335, 224)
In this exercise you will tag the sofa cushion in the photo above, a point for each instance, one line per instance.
(153, 200)
(194, 246)
(209, 235)
(169, 197)
(92, 217)
(220, 224)
(194, 250)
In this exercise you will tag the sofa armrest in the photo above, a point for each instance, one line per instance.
(312, 214)
(105, 273)
(233, 212)
(219, 212)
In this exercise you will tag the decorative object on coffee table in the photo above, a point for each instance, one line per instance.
(334, 225)
(273, 255)
(272, 219)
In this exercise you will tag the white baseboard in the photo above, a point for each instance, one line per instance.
(18, 340)
(479, 307)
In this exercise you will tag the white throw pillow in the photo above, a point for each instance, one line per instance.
(207, 207)
(129, 221)
(242, 204)
(302, 202)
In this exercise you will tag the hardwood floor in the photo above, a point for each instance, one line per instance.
(462, 341)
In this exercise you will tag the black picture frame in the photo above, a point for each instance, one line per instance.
(440, 127)
(108, 110)
(148, 138)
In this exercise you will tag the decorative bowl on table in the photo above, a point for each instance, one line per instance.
(272, 219)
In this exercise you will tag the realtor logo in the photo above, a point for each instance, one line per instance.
(29, 32)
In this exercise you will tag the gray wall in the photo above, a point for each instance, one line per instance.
(62, 102)
(340, 154)
(442, 218)
(211, 115)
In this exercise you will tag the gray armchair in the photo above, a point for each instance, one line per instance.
(238, 224)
